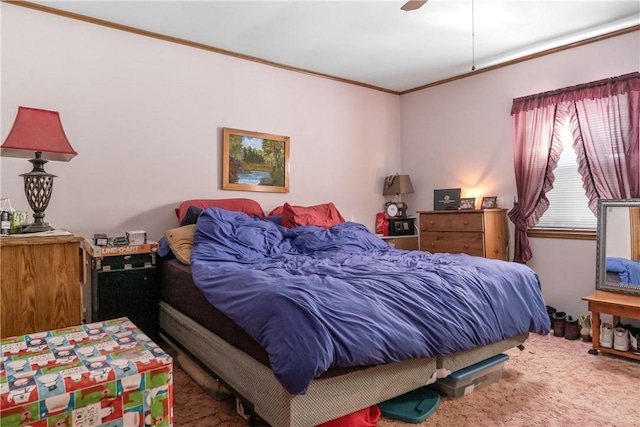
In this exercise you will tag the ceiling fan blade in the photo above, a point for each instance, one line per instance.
(413, 5)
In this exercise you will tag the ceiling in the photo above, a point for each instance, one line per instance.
(373, 43)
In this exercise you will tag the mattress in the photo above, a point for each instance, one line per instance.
(177, 289)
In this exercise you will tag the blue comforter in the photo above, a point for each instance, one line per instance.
(316, 298)
(628, 270)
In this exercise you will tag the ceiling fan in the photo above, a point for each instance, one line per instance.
(413, 5)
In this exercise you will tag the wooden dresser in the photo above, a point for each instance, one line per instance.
(474, 232)
(40, 284)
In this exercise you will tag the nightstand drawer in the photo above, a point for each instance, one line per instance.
(409, 243)
(452, 242)
(459, 221)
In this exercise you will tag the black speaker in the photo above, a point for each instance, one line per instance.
(120, 290)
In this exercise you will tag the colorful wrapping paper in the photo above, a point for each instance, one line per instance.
(107, 374)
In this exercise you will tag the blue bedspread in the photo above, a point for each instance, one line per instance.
(628, 270)
(316, 298)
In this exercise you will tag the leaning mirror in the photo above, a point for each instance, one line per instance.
(618, 246)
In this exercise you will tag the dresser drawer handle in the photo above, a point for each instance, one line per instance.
(431, 222)
(466, 222)
(466, 246)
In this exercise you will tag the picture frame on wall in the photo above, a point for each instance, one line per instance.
(467, 203)
(255, 161)
(490, 202)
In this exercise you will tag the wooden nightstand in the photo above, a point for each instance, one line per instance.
(40, 278)
(473, 232)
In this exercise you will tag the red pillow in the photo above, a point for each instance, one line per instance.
(248, 206)
(325, 215)
(276, 211)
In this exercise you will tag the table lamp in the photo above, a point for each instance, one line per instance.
(398, 185)
(37, 133)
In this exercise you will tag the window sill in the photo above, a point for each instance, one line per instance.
(562, 234)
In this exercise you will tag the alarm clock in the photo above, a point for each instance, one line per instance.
(391, 209)
(395, 209)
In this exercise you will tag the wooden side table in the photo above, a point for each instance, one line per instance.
(41, 283)
(618, 305)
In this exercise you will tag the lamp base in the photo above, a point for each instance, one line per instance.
(38, 185)
(37, 228)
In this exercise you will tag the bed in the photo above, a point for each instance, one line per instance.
(309, 323)
(622, 270)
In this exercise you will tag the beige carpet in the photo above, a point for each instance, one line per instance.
(553, 382)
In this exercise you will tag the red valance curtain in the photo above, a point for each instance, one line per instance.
(595, 90)
(604, 117)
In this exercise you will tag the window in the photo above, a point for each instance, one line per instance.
(568, 203)
(608, 153)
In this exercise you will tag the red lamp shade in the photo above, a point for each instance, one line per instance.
(36, 130)
(37, 133)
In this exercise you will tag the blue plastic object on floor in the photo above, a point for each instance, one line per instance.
(478, 368)
(413, 407)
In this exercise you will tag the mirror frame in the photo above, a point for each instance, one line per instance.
(601, 239)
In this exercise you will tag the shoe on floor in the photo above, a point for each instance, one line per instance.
(621, 339)
(551, 311)
(572, 329)
(606, 335)
(585, 327)
(634, 337)
(559, 322)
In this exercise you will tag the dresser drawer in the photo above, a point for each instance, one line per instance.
(452, 242)
(455, 221)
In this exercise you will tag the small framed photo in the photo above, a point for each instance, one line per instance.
(445, 199)
(490, 202)
(468, 203)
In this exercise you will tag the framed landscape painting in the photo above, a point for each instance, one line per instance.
(254, 161)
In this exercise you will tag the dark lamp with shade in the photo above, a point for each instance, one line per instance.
(39, 134)
(397, 185)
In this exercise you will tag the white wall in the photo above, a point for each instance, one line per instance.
(618, 241)
(459, 135)
(145, 117)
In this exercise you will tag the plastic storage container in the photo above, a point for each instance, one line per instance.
(465, 381)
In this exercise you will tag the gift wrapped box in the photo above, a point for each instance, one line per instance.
(100, 374)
